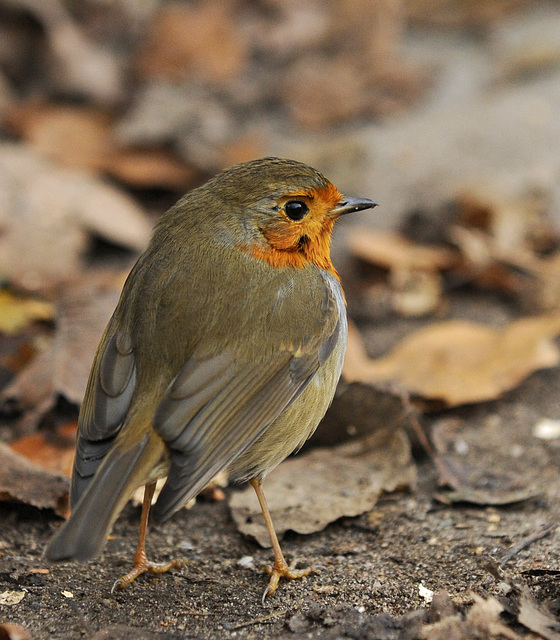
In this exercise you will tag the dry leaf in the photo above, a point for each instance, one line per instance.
(458, 361)
(16, 312)
(22, 481)
(536, 618)
(76, 64)
(9, 631)
(389, 250)
(214, 49)
(9, 598)
(50, 451)
(199, 123)
(481, 621)
(47, 215)
(82, 138)
(72, 136)
(311, 89)
(63, 368)
(150, 168)
(307, 492)
(415, 279)
(357, 411)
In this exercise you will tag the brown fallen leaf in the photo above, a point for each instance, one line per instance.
(22, 481)
(149, 168)
(307, 492)
(47, 217)
(9, 631)
(414, 270)
(74, 63)
(481, 621)
(520, 602)
(82, 138)
(72, 136)
(390, 250)
(512, 219)
(49, 451)
(536, 618)
(357, 411)
(458, 361)
(197, 122)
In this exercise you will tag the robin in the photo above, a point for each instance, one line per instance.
(224, 352)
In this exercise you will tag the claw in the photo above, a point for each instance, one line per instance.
(283, 570)
(145, 565)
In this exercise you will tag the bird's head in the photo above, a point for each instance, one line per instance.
(284, 210)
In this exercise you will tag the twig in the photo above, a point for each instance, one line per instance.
(446, 475)
(516, 548)
(249, 623)
(194, 612)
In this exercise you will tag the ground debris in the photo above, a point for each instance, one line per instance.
(307, 492)
(21, 481)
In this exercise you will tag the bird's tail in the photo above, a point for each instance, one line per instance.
(83, 535)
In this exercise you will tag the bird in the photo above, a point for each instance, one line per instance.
(224, 352)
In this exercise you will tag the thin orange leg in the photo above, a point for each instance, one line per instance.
(141, 562)
(280, 569)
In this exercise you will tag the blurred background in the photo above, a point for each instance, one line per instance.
(444, 111)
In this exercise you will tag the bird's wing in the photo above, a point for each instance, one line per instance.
(217, 407)
(109, 391)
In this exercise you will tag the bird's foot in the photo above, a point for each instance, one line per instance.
(145, 565)
(283, 570)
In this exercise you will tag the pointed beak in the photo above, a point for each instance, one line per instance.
(349, 205)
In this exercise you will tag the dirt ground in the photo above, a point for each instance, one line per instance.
(370, 568)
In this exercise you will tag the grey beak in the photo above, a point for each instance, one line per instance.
(349, 205)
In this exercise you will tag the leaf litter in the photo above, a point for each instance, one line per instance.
(62, 368)
(307, 492)
(48, 216)
(21, 481)
(458, 361)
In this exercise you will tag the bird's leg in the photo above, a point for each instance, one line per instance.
(141, 562)
(280, 569)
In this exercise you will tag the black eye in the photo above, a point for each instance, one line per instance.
(296, 209)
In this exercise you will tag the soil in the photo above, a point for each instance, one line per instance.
(366, 566)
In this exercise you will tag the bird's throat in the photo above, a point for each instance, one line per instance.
(300, 254)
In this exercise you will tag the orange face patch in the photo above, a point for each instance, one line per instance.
(298, 243)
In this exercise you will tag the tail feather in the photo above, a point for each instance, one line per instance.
(84, 534)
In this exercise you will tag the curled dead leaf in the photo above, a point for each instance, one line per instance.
(458, 362)
(22, 481)
(50, 451)
(47, 216)
(307, 492)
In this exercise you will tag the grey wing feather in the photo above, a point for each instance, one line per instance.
(217, 408)
(108, 395)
